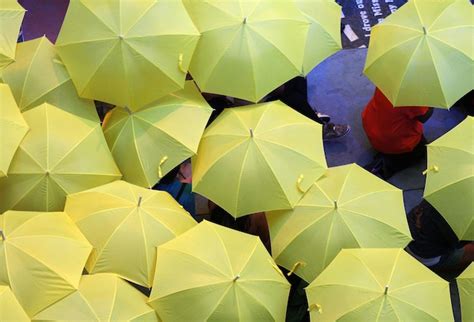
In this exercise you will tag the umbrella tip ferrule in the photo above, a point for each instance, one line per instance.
(139, 201)
(120, 37)
(386, 290)
(2, 235)
(245, 20)
(236, 278)
(335, 204)
(424, 30)
(251, 133)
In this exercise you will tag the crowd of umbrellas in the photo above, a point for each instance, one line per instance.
(79, 218)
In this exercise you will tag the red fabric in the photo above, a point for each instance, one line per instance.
(392, 130)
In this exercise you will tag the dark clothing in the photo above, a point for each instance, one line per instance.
(295, 95)
(432, 235)
(218, 103)
(386, 165)
(467, 103)
(397, 162)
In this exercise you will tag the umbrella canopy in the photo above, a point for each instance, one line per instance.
(378, 285)
(213, 273)
(125, 224)
(38, 76)
(347, 208)
(13, 128)
(421, 56)
(42, 256)
(324, 36)
(450, 178)
(149, 143)
(61, 154)
(466, 293)
(258, 158)
(127, 53)
(10, 309)
(100, 298)
(247, 48)
(11, 16)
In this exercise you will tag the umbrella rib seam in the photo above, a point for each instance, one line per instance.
(98, 18)
(86, 136)
(45, 265)
(375, 60)
(219, 59)
(219, 238)
(18, 200)
(290, 149)
(445, 101)
(216, 160)
(46, 92)
(299, 233)
(164, 132)
(93, 74)
(417, 308)
(162, 71)
(223, 275)
(374, 219)
(402, 79)
(451, 46)
(27, 74)
(447, 185)
(142, 15)
(274, 175)
(433, 23)
(219, 302)
(242, 288)
(297, 68)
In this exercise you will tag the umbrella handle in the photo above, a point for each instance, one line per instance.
(432, 168)
(316, 307)
(180, 64)
(57, 61)
(163, 160)
(298, 183)
(295, 266)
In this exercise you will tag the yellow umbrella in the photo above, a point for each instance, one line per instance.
(466, 293)
(378, 285)
(10, 309)
(42, 255)
(247, 48)
(13, 128)
(149, 143)
(125, 224)
(38, 76)
(213, 273)
(11, 16)
(421, 56)
(324, 36)
(61, 154)
(100, 298)
(450, 178)
(347, 208)
(128, 53)
(258, 158)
